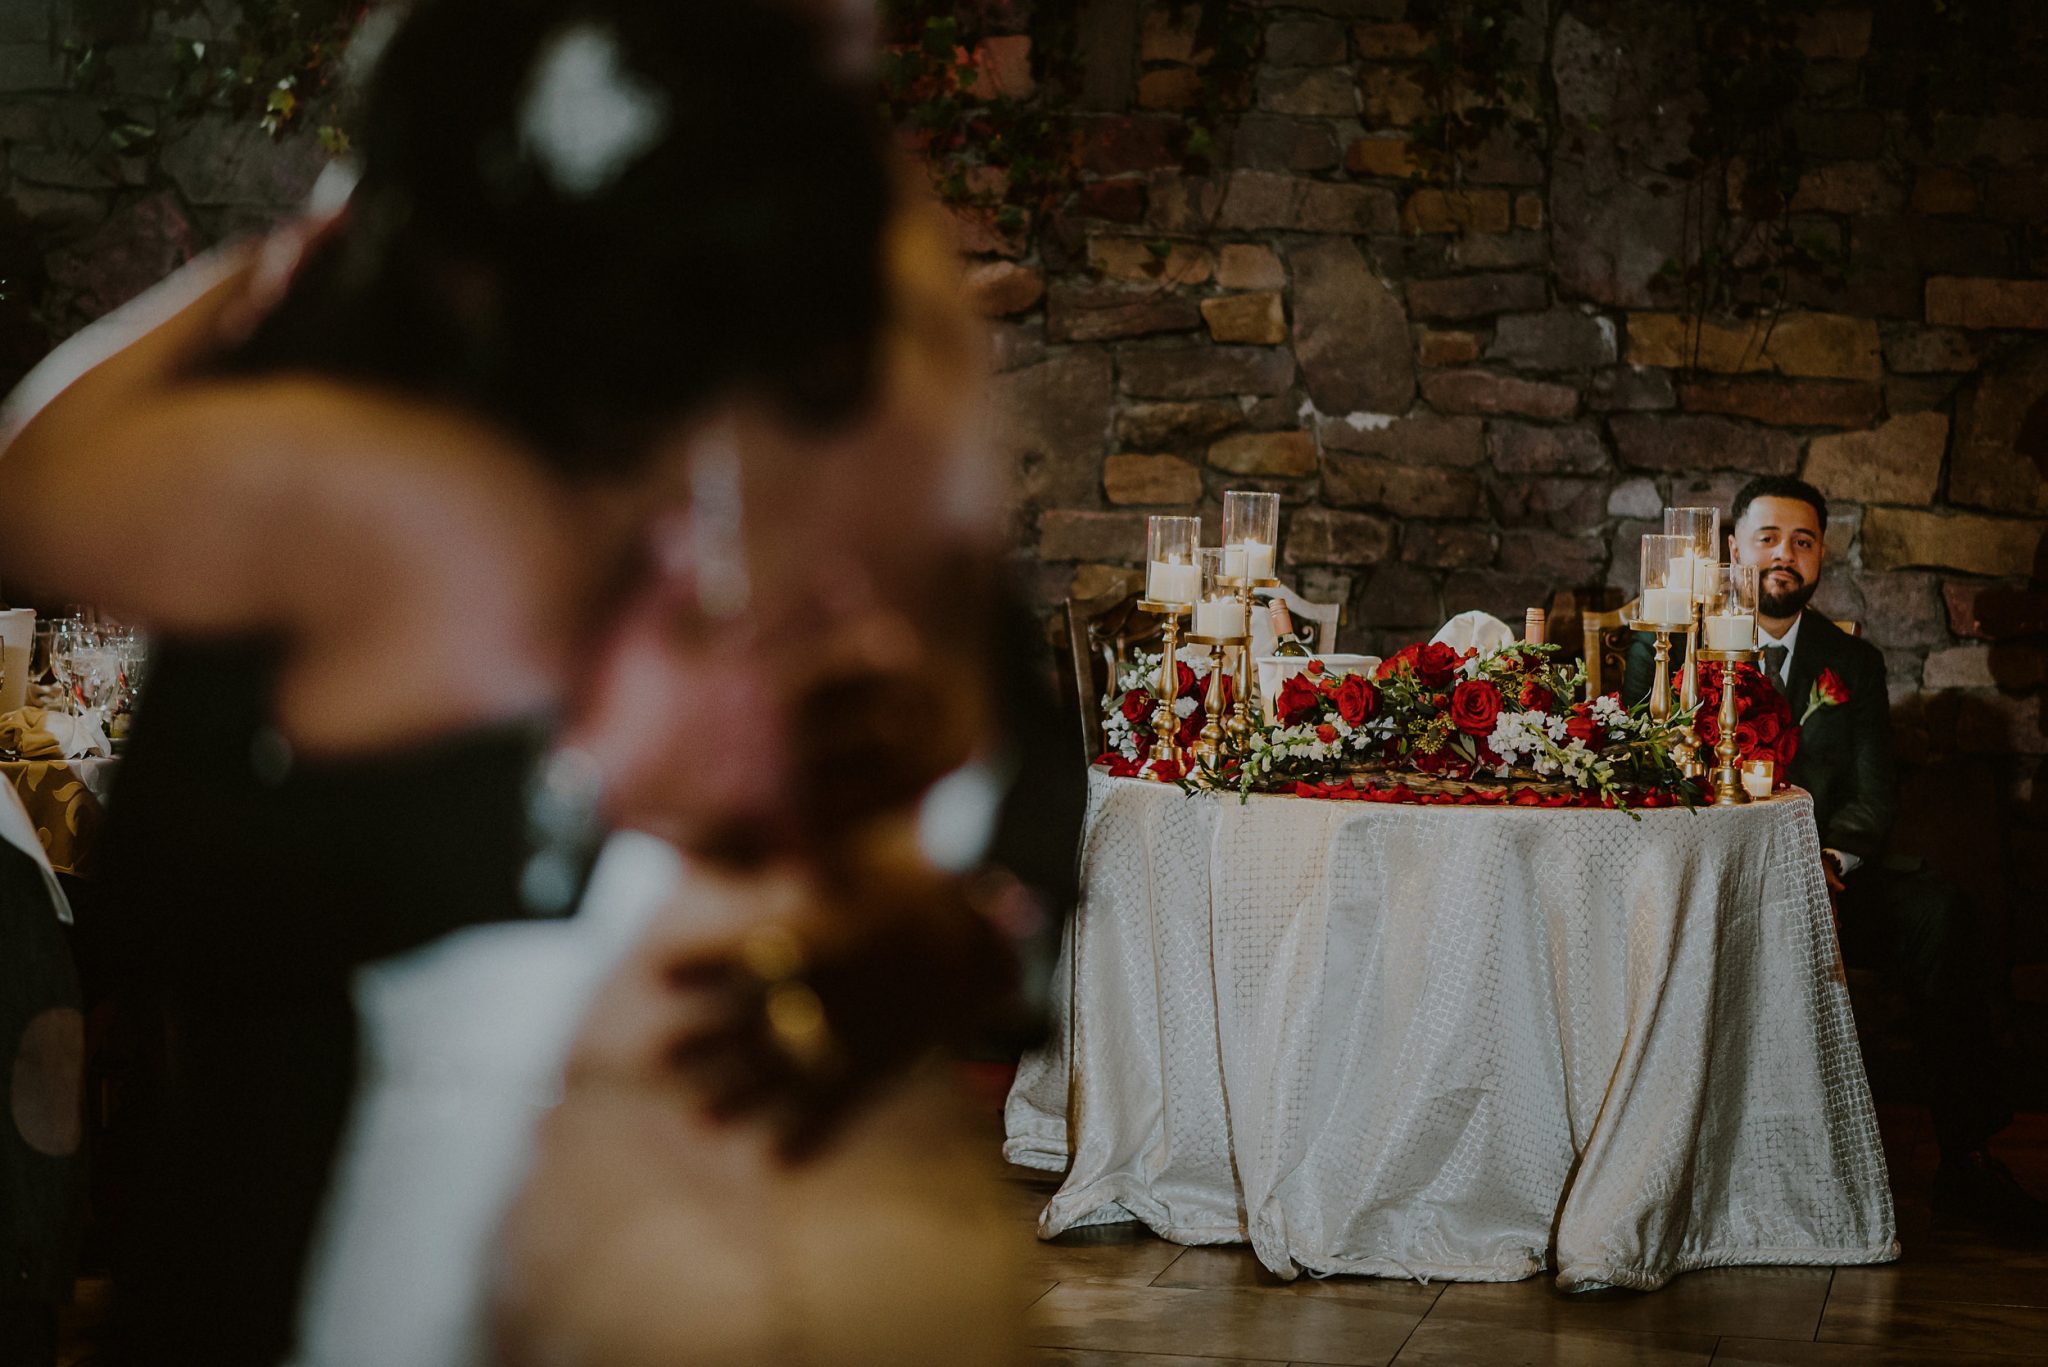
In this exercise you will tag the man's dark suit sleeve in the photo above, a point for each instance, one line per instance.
(1861, 825)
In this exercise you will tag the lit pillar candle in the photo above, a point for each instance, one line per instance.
(1667, 607)
(1258, 560)
(1167, 582)
(1219, 618)
(1730, 631)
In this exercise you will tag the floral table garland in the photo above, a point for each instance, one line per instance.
(1434, 725)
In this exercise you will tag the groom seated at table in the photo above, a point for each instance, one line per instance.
(1893, 913)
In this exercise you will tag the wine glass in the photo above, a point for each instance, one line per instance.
(70, 641)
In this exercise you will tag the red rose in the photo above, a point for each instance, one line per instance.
(1119, 767)
(1356, 700)
(1587, 731)
(1186, 677)
(1767, 724)
(1327, 734)
(1137, 707)
(1788, 747)
(1746, 741)
(1298, 698)
(1315, 666)
(1475, 705)
(1831, 688)
(1402, 659)
(1535, 696)
(1435, 663)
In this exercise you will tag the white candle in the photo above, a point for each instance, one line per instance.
(1666, 607)
(1258, 560)
(1758, 777)
(1166, 582)
(1694, 574)
(1219, 617)
(1730, 631)
(1233, 562)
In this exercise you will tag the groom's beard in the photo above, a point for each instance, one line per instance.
(1783, 602)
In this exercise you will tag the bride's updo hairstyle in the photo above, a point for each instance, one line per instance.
(584, 218)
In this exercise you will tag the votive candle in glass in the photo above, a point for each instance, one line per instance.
(1218, 612)
(1171, 574)
(1730, 620)
(1251, 529)
(1759, 777)
(1667, 583)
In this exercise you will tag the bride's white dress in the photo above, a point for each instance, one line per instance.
(463, 1046)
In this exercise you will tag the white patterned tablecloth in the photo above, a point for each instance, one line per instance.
(1457, 1042)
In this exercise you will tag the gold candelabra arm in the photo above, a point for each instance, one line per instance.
(1689, 679)
(1660, 684)
(1209, 748)
(1165, 721)
(1728, 789)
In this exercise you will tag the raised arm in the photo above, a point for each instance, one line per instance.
(137, 482)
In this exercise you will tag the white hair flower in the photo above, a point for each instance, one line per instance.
(586, 118)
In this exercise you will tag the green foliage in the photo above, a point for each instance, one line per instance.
(983, 147)
(1475, 77)
(279, 60)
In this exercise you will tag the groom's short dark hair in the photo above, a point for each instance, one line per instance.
(1778, 486)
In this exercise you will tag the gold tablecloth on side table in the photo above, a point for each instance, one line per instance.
(64, 798)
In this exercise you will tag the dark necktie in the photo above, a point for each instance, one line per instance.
(1774, 665)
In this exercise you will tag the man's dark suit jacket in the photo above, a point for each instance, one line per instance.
(1845, 752)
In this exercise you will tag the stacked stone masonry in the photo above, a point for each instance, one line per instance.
(1470, 391)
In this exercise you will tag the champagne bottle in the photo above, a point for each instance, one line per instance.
(1287, 640)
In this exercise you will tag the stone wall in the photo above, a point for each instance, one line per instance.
(1471, 396)
(91, 216)
(1475, 396)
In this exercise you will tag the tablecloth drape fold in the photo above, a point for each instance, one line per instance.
(1457, 1042)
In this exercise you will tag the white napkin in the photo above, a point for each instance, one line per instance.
(17, 830)
(75, 737)
(1474, 631)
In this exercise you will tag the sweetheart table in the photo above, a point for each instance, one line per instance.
(1457, 1042)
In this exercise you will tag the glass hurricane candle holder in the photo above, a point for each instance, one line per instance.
(1701, 527)
(1667, 582)
(1251, 531)
(1171, 574)
(1730, 620)
(1219, 614)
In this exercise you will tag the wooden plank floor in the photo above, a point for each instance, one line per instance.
(1115, 1296)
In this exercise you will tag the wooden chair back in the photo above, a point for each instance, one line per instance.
(1102, 634)
(1606, 636)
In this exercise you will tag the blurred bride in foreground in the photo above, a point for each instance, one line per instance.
(752, 1156)
(694, 1122)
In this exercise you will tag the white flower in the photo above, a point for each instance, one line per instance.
(586, 118)
(1184, 707)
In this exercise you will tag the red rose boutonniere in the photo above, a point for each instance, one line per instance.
(1828, 691)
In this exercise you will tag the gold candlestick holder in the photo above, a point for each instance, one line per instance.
(1660, 683)
(1217, 739)
(1165, 723)
(1687, 750)
(1240, 726)
(1728, 789)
